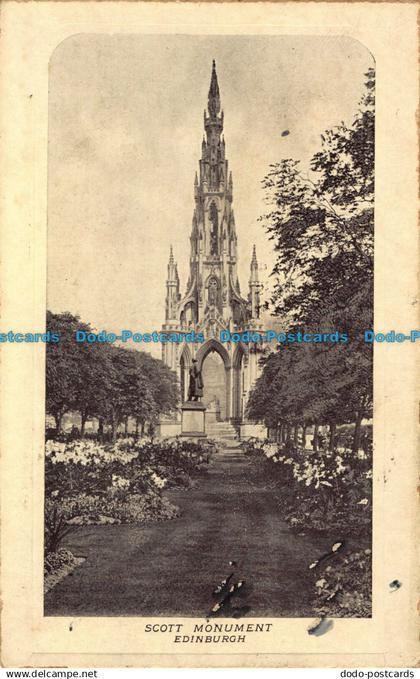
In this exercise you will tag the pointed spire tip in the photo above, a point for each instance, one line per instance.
(214, 86)
(254, 256)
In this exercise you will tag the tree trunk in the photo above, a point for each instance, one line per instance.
(114, 427)
(296, 435)
(137, 428)
(315, 438)
(304, 435)
(151, 431)
(126, 426)
(142, 430)
(333, 428)
(100, 432)
(357, 431)
(58, 419)
(83, 423)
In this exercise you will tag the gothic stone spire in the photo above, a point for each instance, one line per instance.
(172, 287)
(212, 290)
(214, 94)
(254, 286)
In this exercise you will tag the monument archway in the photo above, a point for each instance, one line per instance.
(214, 379)
(240, 359)
(185, 363)
(214, 362)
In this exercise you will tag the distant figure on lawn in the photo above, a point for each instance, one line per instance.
(195, 390)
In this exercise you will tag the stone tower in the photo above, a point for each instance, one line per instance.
(212, 301)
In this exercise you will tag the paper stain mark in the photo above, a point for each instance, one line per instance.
(224, 586)
(395, 585)
(285, 133)
(337, 547)
(320, 627)
(71, 627)
(225, 592)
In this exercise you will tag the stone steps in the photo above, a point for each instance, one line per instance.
(221, 430)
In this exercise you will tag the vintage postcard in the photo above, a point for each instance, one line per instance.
(208, 334)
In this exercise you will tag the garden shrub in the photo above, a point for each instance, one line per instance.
(343, 587)
(87, 482)
(323, 490)
(55, 560)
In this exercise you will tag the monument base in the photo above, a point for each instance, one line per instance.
(193, 419)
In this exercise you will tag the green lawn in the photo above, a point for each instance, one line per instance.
(171, 568)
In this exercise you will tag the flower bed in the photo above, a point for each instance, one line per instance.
(57, 565)
(327, 491)
(321, 491)
(343, 588)
(85, 466)
(89, 483)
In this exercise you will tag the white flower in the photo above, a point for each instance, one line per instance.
(119, 481)
(270, 449)
(365, 501)
(158, 481)
(321, 583)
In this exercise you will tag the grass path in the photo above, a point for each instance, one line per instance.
(170, 568)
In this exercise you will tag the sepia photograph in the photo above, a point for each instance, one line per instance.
(209, 369)
(208, 335)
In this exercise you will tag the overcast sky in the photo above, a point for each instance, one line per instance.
(125, 131)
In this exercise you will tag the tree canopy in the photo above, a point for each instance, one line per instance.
(321, 222)
(105, 381)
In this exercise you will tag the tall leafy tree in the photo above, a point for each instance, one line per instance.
(105, 381)
(162, 380)
(321, 222)
(64, 365)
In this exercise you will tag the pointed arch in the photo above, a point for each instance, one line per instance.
(186, 356)
(213, 345)
(238, 387)
(185, 362)
(241, 351)
(205, 350)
